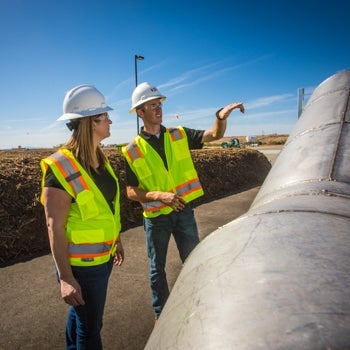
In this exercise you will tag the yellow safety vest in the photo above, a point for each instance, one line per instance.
(180, 178)
(91, 229)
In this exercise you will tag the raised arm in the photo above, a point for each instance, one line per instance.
(219, 127)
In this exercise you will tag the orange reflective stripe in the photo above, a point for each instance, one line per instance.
(153, 206)
(69, 169)
(188, 187)
(90, 249)
(133, 151)
(88, 255)
(175, 134)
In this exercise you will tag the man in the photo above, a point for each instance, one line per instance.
(161, 176)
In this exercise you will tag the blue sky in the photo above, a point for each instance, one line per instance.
(201, 55)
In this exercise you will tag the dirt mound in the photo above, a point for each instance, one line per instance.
(23, 232)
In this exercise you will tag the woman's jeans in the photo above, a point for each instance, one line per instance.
(158, 232)
(84, 322)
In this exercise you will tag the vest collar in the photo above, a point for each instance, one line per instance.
(146, 135)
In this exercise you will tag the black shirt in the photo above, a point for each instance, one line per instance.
(194, 138)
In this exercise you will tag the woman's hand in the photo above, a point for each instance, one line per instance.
(119, 254)
(71, 292)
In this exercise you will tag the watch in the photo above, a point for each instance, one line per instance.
(217, 114)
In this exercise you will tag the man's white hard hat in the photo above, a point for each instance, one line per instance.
(143, 93)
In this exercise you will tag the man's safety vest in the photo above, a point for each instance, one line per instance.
(91, 229)
(180, 178)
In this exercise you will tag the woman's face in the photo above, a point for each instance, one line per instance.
(100, 126)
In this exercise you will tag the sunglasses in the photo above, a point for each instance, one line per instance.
(101, 117)
(154, 106)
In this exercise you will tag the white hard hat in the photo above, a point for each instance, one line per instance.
(83, 101)
(143, 93)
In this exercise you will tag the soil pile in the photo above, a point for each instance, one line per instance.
(23, 232)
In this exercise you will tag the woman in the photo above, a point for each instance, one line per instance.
(80, 194)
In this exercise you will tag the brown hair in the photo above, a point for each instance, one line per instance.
(82, 146)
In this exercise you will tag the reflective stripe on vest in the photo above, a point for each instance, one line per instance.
(90, 250)
(70, 171)
(175, 134)
(133, 151)
(188, 187)
(181, 190)
(153, 207)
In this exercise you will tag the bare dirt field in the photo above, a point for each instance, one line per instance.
(23, 233)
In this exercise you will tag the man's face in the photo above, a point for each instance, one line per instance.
(151, 112)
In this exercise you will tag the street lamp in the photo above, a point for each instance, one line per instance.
(137, 58)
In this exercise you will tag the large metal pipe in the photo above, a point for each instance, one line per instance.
(278, 276)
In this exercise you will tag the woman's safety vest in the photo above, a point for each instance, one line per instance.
(180, 178)
(91, 229)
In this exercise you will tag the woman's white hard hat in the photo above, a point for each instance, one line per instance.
(143, 93)
(83, 101)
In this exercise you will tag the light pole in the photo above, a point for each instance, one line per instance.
(137, 58)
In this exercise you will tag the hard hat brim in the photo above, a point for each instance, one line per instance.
(70, 116)
(133, 109)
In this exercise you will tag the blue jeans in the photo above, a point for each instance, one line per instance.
(84, 322)
(158, 232)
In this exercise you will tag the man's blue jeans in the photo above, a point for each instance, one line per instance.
(84, 323)
(158, 232)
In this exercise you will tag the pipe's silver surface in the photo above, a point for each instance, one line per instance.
(278, 276)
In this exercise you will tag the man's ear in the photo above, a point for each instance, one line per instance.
(139, 113)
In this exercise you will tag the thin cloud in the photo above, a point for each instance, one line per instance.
(268, 101)
(182, 82)
(206, 73)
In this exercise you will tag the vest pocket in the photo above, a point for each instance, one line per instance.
(181, 150)
(87, 205)
(84, 236)
(142, 168)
